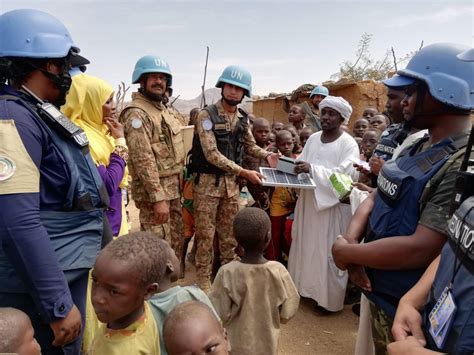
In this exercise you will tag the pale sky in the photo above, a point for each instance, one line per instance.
(283, 43)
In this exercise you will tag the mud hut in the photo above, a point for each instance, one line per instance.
(359, 94)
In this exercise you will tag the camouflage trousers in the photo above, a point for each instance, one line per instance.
(172, 231)
(213, 216)
(381, 329)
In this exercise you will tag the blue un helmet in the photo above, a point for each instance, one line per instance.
(397, 82)
(151, 64)
(319, 90)
(35, 34)
(449, 80)
(237, 76)
(467, 56)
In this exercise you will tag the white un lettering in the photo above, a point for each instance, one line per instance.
(387, 186)
(160, 63)
(461, 232)
(236, 75)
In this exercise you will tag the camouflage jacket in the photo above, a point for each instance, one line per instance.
(156, 149)
(226, 186)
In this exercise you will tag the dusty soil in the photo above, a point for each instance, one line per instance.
(308, 332)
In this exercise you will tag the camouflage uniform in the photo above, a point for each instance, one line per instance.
(381, 329)
(216, 197)
(156, 160)
(312, 116)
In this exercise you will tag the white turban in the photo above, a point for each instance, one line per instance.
(338, 104)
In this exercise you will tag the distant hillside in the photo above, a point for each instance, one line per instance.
(212, 96)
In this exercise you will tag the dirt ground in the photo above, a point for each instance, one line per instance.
(307, 332)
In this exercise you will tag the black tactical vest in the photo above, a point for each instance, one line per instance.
(229, 143)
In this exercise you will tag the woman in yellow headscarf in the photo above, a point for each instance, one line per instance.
(90, 105)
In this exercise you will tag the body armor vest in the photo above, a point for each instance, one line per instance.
(460, 249)
(229, 143)
(397, 210)
(76, 230)
(167, 141)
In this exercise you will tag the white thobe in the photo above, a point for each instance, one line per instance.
(319, 219)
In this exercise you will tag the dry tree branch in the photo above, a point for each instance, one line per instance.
(394, 60)
(120, 96)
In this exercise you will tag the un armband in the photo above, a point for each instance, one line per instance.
(60, 123)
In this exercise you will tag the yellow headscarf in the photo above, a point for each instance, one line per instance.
(83, 106)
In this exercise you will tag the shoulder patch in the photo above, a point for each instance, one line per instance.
(137, 123)
(207, 125)
(7, 168)
(385, 133)
(18, 172)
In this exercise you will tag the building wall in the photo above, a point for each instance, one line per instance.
(360, 95)
(271, 109)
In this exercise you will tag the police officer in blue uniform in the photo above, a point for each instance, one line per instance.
(450, 296)
(390, 139)
(396, 133)
(51, 196)
(451, 300)
(406, 217)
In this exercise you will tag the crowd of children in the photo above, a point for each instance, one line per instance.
(141, 312)
(132, 291)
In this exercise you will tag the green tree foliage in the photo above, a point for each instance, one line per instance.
(365, 67)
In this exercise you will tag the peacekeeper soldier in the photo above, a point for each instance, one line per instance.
(51, 196)
(221, 134)
(313, 117)
(156, 151)
(448, 281)
(408, 213)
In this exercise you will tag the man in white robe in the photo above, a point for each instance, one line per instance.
(319, 215)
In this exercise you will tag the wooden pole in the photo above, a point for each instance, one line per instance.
(203, 96)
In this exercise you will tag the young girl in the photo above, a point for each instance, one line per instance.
(282, 204)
